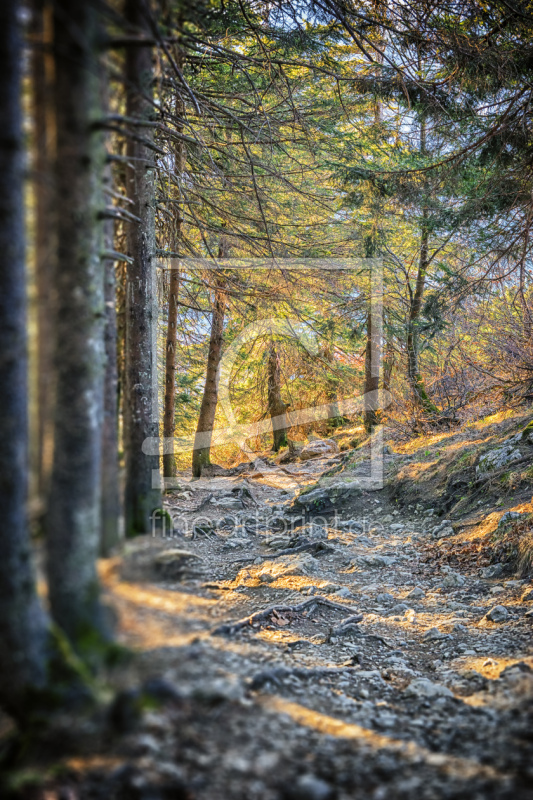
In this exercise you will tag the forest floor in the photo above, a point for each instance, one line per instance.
(377, 666)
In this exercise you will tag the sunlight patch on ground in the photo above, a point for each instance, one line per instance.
(330, 726)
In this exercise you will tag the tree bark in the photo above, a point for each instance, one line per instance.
(23, 626)
(276, 406)
(371, 378)
(44, 245)
(201, 456)
(169, 415)
(414, 377)
(73, 516)
(110, 493)
(142, 492)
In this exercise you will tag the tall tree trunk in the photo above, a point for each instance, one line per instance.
(41, 74)
(335, 418)
(206, 420)
(388, 363)
(23, 627)
(73, 516)
(276, 406)
(110, 494)
(142, 492)
(371, 377)
(169, 415)
(414, 377)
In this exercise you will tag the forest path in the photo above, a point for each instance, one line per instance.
(372, 674)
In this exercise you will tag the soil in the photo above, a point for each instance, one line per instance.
(349, 685)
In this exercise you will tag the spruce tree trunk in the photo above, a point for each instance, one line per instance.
(73, 516)
(142, 492)
(371, 378)
(388, 363)
(416, 382)
(23, 627)
(169, 425)
(110, 495)
(169, 412)
(335, 419)
(201, 456)
(276, 406)
(44, 244)
(110, 480)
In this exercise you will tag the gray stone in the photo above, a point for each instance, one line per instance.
(401, 608)
(423, 687)
(452, 580)
(433, 634)
(318, 448)
(385, 597)
(372, 560)
(493, 571)
(309, 787)
(509, 516)
(343, 592)
(498, 614)
(497, 458)
(173, 563)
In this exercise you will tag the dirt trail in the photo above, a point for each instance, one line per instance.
(373, 674)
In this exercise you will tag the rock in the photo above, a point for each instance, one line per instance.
(344, 592)
(443, 530)
(497, 458)
(298, 564)
(172, 563)
(423, 687)
(385, 597)
(416, 593)
(497, 614)
(459, 628)
(218, 691)
(432, 635)
(236, 544)
(508, 516)
(452, 580)
(309, 787)
(350, 525)
(520, 668)
(493, 571)
(372, 560)
(401, 608)
(318, 448)
(323, 498)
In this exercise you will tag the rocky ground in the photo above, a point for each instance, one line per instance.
(304, 647)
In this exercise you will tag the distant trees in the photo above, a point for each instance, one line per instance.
(276, 407)
(201, 456)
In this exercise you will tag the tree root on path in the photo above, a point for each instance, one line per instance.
(277, 675)
(312, 547)
(260, 617)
